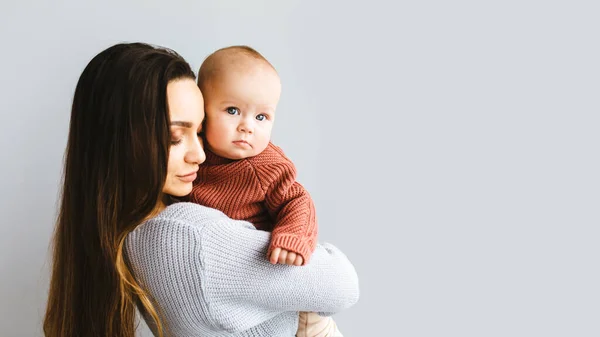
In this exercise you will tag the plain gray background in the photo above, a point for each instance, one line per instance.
(451, 147)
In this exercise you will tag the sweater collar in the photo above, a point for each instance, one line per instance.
(214, 159)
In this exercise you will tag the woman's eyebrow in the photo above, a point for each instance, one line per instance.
(182, 123)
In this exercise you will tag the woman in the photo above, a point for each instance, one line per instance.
(134, 146)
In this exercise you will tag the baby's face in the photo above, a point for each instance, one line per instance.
(240, 111)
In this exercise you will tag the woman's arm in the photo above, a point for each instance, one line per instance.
(236, 269)
(218, 267)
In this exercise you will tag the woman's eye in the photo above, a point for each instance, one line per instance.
(233, 110)
(261, 117)
(175, 141)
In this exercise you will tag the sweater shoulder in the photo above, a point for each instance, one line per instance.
(271, 166)
(189, 214)
(181, 216)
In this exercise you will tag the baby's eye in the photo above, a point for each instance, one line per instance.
(233, 110)
(261, 117)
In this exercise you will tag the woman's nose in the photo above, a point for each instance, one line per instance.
(196, 154)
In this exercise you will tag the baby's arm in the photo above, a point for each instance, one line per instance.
(294, 235)
(295, 231)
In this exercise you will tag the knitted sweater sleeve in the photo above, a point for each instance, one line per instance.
(202, 266)
(290, 204)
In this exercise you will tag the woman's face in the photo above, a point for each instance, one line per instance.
(186, 110)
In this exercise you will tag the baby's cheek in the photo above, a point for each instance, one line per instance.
(211, 136)
(263, 146)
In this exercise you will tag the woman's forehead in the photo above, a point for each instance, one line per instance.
(185, 102)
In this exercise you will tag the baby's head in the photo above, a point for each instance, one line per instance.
(241, 90)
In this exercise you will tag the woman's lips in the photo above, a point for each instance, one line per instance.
(188, 178)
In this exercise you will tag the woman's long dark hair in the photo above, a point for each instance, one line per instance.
(115, 170)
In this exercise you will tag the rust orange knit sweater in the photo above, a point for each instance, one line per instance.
(262, 190)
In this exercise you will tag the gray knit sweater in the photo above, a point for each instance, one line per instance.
(210, 276)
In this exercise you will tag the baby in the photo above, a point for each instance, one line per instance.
(245, 175)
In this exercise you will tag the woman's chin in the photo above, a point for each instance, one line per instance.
(180, 191)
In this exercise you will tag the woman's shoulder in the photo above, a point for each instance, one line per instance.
(184, 220)
(188, 212)
(173, 221)
(180, 236)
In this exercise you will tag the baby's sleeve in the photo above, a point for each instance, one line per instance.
(290, 206)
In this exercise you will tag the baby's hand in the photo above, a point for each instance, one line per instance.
(285, 257)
